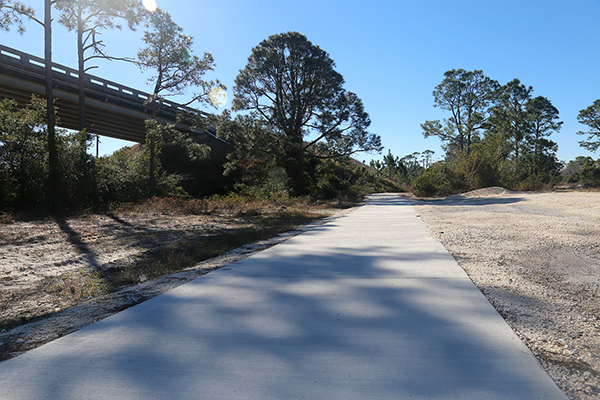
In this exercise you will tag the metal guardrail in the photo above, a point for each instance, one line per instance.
(32, 69)
(28, 62)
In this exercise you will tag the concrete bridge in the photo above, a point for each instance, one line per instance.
(111, 109)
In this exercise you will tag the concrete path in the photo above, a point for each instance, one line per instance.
(367, 306)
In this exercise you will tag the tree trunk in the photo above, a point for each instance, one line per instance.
(294, 168)
(152, 172)
(469, 143)
(152, 182)
(536, 156)
(81, 62)
(54, 184)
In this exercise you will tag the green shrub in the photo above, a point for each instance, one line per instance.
(331, 180)
(342, 181)
(591, 175)
(124, 177)
(79, 186)
(23, 155)
(330, 186)
(437, 181)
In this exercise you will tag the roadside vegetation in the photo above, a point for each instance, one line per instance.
(96, 184)
(495, 135)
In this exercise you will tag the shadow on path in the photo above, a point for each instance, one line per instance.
(347, 320)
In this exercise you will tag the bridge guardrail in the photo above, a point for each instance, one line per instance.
(70, 76)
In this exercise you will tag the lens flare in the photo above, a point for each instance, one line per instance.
(150, 5)
(218, 96)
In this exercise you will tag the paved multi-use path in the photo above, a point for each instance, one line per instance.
(365, 306)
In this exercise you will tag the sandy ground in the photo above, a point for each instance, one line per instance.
(40, 259)
(49, 269)
(536, 257)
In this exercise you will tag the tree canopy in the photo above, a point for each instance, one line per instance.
(292, 85)
(510, 117)
(543, 117)
(168, 53)
(590, 117)
(468, 96)
(12, 12)
(99, 15)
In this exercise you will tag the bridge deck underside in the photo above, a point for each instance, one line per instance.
(102, 117)
(111, 109)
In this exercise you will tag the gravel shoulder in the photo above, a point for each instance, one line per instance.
(536, 257)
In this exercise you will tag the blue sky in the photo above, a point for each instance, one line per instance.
(391, 53)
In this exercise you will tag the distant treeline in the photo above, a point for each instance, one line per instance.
(495, 135)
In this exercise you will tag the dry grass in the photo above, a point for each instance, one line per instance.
(212, 205)
(157, 237)
(250, 226)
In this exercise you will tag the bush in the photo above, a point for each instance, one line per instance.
(534, 182)
(437, 181)
(23, 155)
(124, 177)
(79, 186)
(330, 186)
(274, 187)
(24, 175)
(340, 180)
(591, 175)
(331, 180)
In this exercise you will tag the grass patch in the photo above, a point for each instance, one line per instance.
(76, 285)
(181, 255)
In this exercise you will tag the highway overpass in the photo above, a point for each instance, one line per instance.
(111, 109)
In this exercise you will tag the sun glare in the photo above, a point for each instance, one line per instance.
(218, 96)
(150, 5)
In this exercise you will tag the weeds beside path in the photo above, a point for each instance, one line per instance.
(60, 274)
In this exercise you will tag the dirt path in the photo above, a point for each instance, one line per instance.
(536, 257)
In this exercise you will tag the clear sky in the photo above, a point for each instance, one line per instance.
(391, 53)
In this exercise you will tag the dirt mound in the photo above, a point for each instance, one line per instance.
(485, 192)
